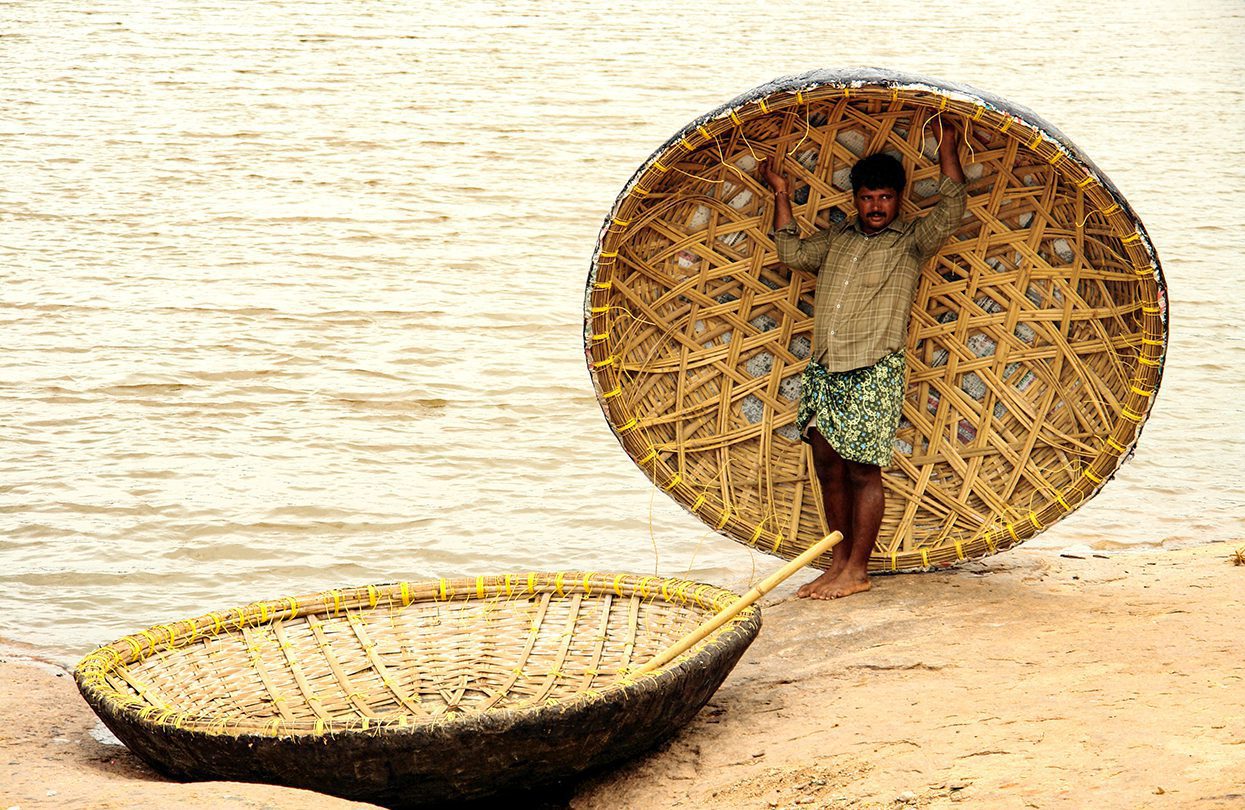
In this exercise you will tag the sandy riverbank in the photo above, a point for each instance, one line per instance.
(1028, 680)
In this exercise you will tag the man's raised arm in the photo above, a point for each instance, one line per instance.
(948, 149)
(803, 254)
(934, 228)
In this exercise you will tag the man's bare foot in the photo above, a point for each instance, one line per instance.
(846, 584)
(825, 580)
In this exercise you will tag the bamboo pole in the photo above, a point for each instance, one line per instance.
(729, 612)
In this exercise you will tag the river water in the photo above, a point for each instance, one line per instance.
(292, 291)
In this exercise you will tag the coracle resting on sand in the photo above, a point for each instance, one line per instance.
(1035, 346)
(414, 695)
(417, 694)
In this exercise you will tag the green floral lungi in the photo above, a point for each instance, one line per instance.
(856, 411)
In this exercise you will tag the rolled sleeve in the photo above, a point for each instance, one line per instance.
(942, 220)
(802, 254)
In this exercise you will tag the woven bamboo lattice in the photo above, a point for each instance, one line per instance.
(418, 692)
(1035, 346)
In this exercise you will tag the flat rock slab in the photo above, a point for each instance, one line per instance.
(1031, 680)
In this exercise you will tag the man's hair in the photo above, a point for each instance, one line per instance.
(878, 171)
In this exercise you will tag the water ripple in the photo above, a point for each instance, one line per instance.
(292, 293)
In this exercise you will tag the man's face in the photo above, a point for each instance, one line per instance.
(877, 208)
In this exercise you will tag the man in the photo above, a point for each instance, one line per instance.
(853, 389)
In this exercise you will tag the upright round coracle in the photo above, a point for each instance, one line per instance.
(1035, 346)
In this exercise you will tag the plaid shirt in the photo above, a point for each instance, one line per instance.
(865, 284)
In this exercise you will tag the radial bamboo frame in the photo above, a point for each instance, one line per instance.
(1035, 347)
(416, 694)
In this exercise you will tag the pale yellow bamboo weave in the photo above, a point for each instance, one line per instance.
(398, 655)
(1035, 347)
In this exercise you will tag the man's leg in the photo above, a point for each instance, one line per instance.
(866, 502)
(868, 505)
(836, 500)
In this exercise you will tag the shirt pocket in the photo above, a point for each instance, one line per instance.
(875, 274)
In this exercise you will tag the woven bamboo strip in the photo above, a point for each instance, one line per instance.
(386, 675)
(524, 655)
(278, 699)
(591, 672)
(555, 666)
(353, 695)
(310, 697)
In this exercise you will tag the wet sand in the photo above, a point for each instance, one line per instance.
(1028, 680)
